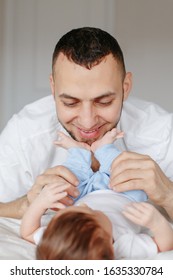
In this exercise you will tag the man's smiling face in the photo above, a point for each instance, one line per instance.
(89, 101)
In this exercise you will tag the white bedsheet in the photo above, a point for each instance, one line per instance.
(13, 247)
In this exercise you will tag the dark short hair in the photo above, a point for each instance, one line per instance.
(87, 46)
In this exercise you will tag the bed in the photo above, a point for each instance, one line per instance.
(12, 247)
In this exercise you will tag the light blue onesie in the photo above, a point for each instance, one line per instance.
(79, 162)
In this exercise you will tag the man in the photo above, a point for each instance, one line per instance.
(89, 85)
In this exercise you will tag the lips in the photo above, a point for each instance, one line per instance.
(94, 133)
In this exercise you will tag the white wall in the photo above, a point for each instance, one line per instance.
(30, 29)
(1, 53)
(145, 32)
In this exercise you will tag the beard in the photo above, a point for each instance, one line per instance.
(87, 141)
(90, 141)
(84, 140)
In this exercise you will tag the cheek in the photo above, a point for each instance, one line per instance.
(64, 114)
(111, 115)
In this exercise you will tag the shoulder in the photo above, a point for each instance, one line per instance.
(33, 128)
(139, 110)
(147, 127)
(41, 111)
(34, 119)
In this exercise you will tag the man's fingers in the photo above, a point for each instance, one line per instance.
(60, 175)
(53, 181)
(73, 191)
(129, 164)
(126, 176)
(127, 186)
(57, 187)
(63, 172)
(67, 201)
(131, 155)
(57, 205)
(129, 160)
(46, 179)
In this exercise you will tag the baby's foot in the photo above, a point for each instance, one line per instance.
(67, 142)
(108, 138)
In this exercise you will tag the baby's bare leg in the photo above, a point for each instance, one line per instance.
(108, 138)
(67, 142)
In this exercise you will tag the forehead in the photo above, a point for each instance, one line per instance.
(76, 80)
(62, 62)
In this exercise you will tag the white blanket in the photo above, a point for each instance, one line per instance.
(13, 247)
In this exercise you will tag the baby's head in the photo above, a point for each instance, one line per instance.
(77, 233)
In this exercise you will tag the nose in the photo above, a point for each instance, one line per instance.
(87, 116)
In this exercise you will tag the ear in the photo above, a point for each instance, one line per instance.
(52, 85)
(127, 85)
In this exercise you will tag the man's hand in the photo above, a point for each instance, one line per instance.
(62, 177)
(132, 171)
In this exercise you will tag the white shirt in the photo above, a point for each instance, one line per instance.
(131, 240)
(27, 149)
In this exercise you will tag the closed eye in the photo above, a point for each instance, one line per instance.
(103, 103)
(68, 100)
(70, 104)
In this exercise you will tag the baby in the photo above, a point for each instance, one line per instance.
(102, 224)
(79, 162)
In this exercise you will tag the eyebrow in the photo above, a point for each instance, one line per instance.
(67, 96)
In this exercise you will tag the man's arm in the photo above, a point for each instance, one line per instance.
(59, 175)
(14, 209)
